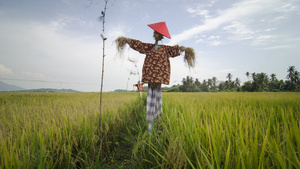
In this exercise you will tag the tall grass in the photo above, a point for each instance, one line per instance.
(61, 130)
(224, 130)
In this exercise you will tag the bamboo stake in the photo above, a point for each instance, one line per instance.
(103, 56)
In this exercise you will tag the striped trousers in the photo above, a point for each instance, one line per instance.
(154, 103)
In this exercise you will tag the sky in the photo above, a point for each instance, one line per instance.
(57, 44)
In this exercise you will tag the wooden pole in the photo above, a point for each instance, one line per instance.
(103, 56)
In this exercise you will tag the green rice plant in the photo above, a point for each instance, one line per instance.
(224, 130)
(61, 130)
(198, 130)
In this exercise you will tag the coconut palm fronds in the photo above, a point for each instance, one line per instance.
(189, 56)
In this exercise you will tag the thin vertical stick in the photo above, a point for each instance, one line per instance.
(103, 54)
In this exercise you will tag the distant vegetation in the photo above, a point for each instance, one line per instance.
(8, 87)
(46, 90)
(258, 82)
(4, 87)
(50, 90)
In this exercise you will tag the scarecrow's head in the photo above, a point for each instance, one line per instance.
(160, 30)
(157, 36)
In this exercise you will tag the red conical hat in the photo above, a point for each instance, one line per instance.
(161, 28)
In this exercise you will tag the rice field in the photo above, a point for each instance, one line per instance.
(224, 130)
(56, 130)
(197, 130)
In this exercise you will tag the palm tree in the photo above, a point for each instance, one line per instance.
(273, 83)
(229, 77)
(204, 86)
(229, 83)
(262, 81)
(237, 82)
(273, 77)
(188, 84)
(197, 83)
(214, 82)
(293, 77)
(222, 86)
(297, 79)
(291, 71)
(253, 76)
(183, 81)
(209, 83)
(247, 74)
(297, 76)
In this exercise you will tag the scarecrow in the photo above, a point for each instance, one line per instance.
(156, 68)
(139, 86)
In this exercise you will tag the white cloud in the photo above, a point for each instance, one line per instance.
(283, 42)
(33, 75)
(238, 11)
(262, 40)
(198, 12)
(51, 52)
(288, 8)
(239, 30)
(4, 70)
(211, 40)
(215, 43)
(214, 37)
(279, 18)
(199, 41)
(277, 47)
(270, 29)
(57, 24)
(116, 31)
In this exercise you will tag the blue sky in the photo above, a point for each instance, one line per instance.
(57, 44)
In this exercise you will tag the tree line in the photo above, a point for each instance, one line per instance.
(257, 82)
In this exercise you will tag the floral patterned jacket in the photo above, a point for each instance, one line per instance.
(156, 67)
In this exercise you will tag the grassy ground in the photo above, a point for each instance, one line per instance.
(121, 156)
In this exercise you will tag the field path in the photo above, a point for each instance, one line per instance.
(121, 157)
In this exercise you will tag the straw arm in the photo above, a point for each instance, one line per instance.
(121, 42)
(189, 56)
